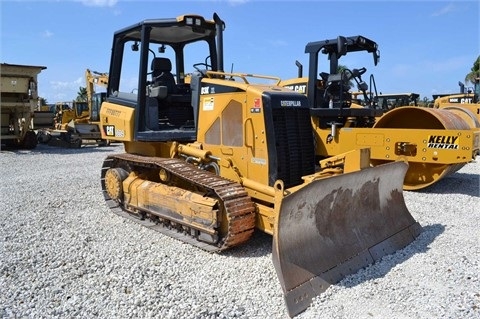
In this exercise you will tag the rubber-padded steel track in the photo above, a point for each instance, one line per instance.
(237, 205)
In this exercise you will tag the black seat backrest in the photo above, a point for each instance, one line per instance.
(161, 74)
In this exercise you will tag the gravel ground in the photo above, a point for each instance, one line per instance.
(63, 254)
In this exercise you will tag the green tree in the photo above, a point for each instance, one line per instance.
(474, 71)
(82, 94)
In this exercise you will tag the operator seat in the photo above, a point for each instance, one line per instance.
(161, 74)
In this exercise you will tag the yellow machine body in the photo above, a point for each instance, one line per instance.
(435, 143)
(466, 105)
(66, 112)
(211, 156)
(77, 122)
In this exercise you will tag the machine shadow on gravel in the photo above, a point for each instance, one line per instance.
(45, 149)
(383, 266)
(458, 183)
(259, 245)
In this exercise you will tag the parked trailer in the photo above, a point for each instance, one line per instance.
(19, 97)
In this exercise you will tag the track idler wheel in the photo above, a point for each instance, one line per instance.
(421, 174)
(114, 178)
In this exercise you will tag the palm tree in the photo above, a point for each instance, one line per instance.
(340, 69)
(474, 72)
(82, 94)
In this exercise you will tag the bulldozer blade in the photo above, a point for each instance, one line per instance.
(335, 226)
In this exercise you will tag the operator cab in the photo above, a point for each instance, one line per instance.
(147, 73)
(331, 101)
(390, 101)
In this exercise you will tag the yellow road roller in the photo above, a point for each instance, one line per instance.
(434, 142)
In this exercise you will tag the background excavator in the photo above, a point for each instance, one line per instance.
(78, 121)
(435, 142)
(95, 99)
(210, 156)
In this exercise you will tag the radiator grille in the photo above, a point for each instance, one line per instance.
(294, 144)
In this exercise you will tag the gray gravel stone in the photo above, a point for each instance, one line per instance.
(63, 254)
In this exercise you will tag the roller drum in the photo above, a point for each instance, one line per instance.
(421, 175)
(466, 114)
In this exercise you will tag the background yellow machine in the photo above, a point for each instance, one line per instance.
(210, 156)
(78, 121)
(466, 103)
(65, 112)
(435, 142)
(95, 99)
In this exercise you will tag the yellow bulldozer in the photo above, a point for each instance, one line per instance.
(211, 156)
(65, 112)
(434, 142)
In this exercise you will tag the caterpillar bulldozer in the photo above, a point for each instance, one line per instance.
(212, 156)
(435, 142)
(65, 112)
(466, 103)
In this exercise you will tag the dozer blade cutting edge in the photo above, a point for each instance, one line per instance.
(335, 226)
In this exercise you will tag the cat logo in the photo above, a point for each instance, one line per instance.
(298, 88)
(109, 130)
(205, 90)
